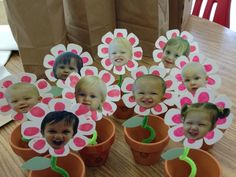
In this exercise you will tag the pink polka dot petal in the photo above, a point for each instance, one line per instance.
(131, 99)
(138, 54)
(210, 135)
(37, 112)
(159, 55)
(181, 87)
(70, 95)
(59, 151)
(168, 83)
(82, 109)
(221, 121)
(182, 64)
(162, 44)
(86, 127)
(106, 77)
(59, 106)
(130, 64)
(60, 52)
(139, 74)
(168, 95)
(31, 131)
(73, 81)
(177, 119)
(129, 87)
(108, 40)
(191, 141)
(220, 104)
(178, 77)
(85, 59)
(79, 142)
(51, 74)
(19, 116)
(89, 72)
(185, 100)
(105, 50)
(108, 62)
(107, 107)
(195, 59)
(210, 81)
(6, 84)
(158, 108)
(192, 48)
(42, 84)
(114, 93)
(74, 51)
(174, 35)
(38, 145)
(118, 68)
(142, 109)
(5, 108)
(1, 95)
(156, 73)
(208, 67)
(26, 79)
(179, 132)
(203, 97)
(94, 115)
(51, 62)
(185, 37)
(119, 35)
(46, 100)
(132, 40)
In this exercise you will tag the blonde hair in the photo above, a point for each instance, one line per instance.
(92, 82)
(179, 43)
(194, 65)
(20, 86)
(122, 41)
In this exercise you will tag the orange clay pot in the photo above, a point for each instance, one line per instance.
(147, 153)
(206, 164)
(72, 163)
(96, 155)
(20, 147)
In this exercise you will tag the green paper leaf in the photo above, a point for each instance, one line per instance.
(56, 91)
(133, 122)
(172, 153)
(36, 163)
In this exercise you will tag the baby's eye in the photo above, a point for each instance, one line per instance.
(81, 94)
(141, 93)
(123, 52)
(186, 80)
(66, 132)
(14, 101)
(62, 67)
(154, 93)
(92, 96)
(71, 68)
(52, 131)
(176, 55)
(27, 98)
(196, 78)
(113, 53)
(167, 52)
(202, 125)
(189, 123)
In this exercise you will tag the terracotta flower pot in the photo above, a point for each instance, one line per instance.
(96, 155)
(206, 164)
(147, 153)
(72, 163)
(20, 147)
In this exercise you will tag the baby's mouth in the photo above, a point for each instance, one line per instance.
(147, 101)
(118, 60)
(24, 108)
(193, 133)
(57, 142)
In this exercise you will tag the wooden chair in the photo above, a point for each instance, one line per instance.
(222, 12)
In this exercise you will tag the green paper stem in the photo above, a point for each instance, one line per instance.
(93, 140)
(185, 157)
(150, 129)
(57, 169)
(120, 81)
(25, 139)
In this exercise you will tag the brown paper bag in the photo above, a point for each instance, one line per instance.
(179, 13)
(147, 19)
(88, 20)
(36, 27)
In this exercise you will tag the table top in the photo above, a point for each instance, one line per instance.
(216, 42)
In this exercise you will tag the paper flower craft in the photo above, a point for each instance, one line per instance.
(49, 59)
(42, 86)
(113, 91)
(173, 118)
(103, 51)
(211, 68)
(31, 129)
(162, 40)
(169, 97)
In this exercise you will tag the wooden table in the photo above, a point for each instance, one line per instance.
(215, 42)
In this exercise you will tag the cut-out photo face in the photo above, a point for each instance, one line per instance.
(65, 64)
(22, 97)
(91, 91)
(197, 124)
(194, 76)
(58, 128)
(120, 51)
(174, 48)
(148, 90)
